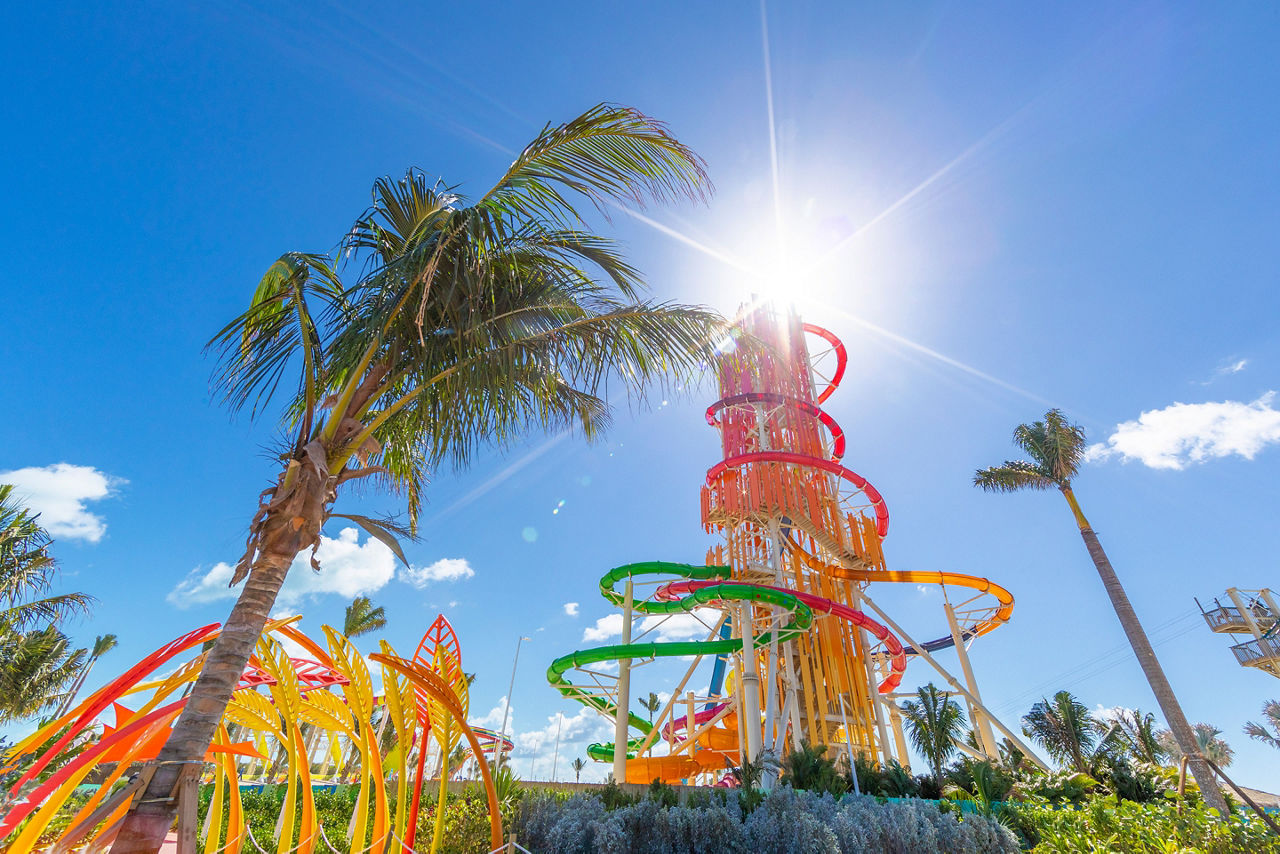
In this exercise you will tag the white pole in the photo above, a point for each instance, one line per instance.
(620, 722)
(848, 746)
(502, 733)
(555, 757)
(750, 721)
(978, 720)
(951, 680)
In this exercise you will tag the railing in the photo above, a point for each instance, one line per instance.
(1256, 651)
(1223, 619)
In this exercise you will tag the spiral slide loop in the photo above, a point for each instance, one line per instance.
(703, 586)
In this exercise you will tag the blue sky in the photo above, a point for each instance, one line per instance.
(999, 207)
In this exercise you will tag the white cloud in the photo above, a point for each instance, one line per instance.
(605, 628)
(1184, 433)
(347, 567)
(1235, 367)
(59, 492)
(445, 569)
(571, 608)
(677, 627)
(536, 749)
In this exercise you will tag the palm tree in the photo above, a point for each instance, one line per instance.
(468, 324)
(361, 617)
(651, 704)
(1056, 448)
(27, 570)
(35, 669)
(578, 764)
(934, 723)
(101, 646)
(1138, 730)
(1065, 728)
(1269, 731)
(1207, 744)
(37, 663)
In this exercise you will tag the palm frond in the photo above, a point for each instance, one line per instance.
(1056, 445)
(280, 327)
(609, 153)
(1013, 476)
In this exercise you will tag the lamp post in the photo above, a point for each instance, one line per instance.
(502, 733)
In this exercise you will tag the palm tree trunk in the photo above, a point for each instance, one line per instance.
(67, 702)
(286, 530)
(1151, 668)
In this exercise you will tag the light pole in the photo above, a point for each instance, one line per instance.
(555, 757)
(502, 733)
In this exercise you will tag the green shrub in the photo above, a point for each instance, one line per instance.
(1109, 824)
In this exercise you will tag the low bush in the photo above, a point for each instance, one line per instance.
(783, 822)
(1109, 824)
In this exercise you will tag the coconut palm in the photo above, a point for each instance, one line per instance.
(1267, 732)
(36, 667)
(27, 570)
(361, 617)
(578, 764)
(1208, 744)
(467, 324)
(101, 646)
(1066, 730)
(1056, 449)
(934, 723)
(37, 662)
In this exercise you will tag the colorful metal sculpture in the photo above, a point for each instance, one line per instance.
(282, 711)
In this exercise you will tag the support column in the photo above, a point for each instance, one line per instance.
(749, 720)
(951, 680)
(620, 727)
(981, 726)
(899, 737)
(688, 724)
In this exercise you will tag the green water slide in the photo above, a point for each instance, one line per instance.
(801, 618)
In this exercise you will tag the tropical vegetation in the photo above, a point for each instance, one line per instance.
(934, 723)
(361, 617)
(38, 662)
(444, 326)
(1267, 732)
(1056, 449)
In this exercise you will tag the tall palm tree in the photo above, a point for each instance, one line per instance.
(1065, 728)
(101, 646)
(1267, 732)
(468, 324)
(934, 723)
(361, 617)
(578, 764)
(1056, 448)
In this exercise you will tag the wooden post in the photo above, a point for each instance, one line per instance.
(188, 790)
